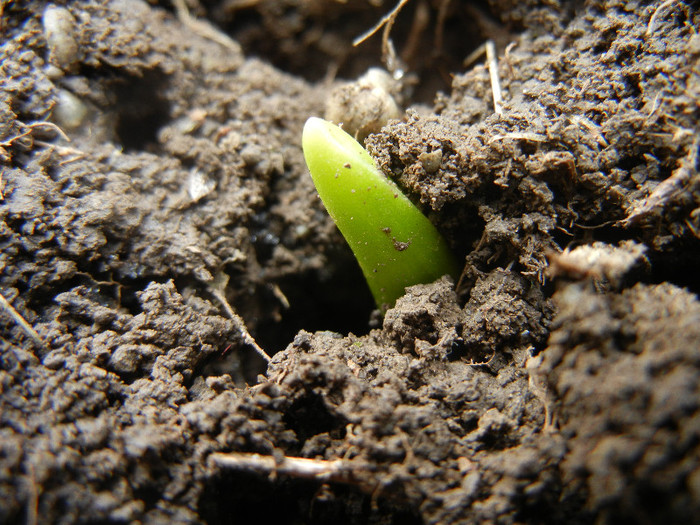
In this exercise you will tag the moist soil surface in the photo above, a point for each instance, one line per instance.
(160, 233)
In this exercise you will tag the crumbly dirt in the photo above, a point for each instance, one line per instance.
(156, 217)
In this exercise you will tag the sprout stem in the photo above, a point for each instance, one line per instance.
(394, 243)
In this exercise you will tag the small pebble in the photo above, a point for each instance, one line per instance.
(59, 30)
(70, 111)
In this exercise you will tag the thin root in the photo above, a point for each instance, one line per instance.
(247, 338)
(474, 56)
(507, 59)
(202, 27)
(30, 128)
(23, 324)
(64, 152)
(45, 124)
(654, 16)
(389, 17)
(482, 363)
(387, 21)
(413, 43)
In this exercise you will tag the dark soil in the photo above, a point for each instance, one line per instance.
(156, 216)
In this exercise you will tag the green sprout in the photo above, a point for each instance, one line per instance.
(394, 243)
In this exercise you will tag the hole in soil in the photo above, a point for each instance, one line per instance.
(141, 109)
(243, 497)
(311, 42)
(339, 302)
(334, 298)
(680, 269)
(309, 416)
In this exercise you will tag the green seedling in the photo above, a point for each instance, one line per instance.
(394, 243)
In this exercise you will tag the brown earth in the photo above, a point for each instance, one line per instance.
(152, 175)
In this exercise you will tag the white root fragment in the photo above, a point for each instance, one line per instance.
(591, 127)
(533, 137)
(597, 261)
(336, 470)
(537, 382)
(489, 48)
(492, 63)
